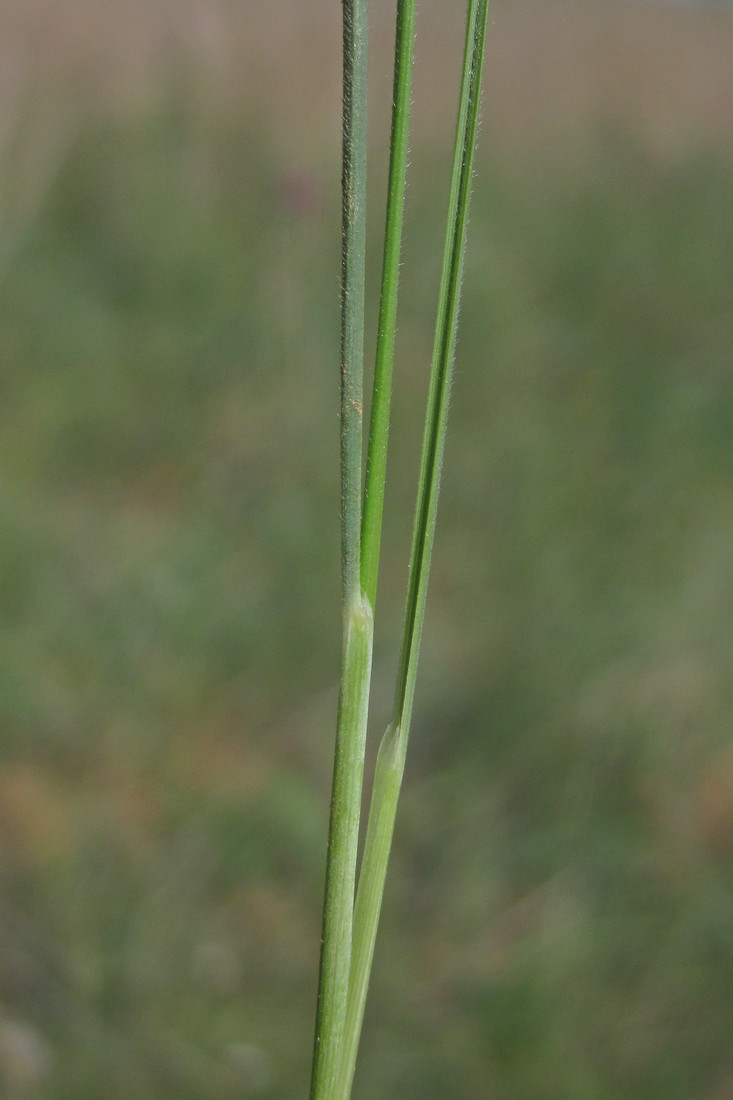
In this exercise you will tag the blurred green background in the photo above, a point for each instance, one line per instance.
(559, 915)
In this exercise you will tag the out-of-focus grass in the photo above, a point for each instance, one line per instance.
(167, 348)
(557, 920)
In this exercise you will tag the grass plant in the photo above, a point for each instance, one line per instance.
(351, 918)
(557, 910)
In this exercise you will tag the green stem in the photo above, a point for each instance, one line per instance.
(343, 837)
(391, 758)
(441, 368)
(385, 794)
(353, 258)
(376, 467)
(342, 851)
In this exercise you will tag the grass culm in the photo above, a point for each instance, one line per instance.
(351, 913)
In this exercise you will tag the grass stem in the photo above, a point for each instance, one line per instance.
(350, 925)
(391, 758)
(441, 369)
(376, 465)
(353, 260)
(343, 837)
(342, 852)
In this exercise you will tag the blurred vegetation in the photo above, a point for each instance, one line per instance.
(557, 921)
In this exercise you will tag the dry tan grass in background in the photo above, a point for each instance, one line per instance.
(663, 70)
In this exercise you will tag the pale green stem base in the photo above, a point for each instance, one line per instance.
(343, 839)
(382, 813)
